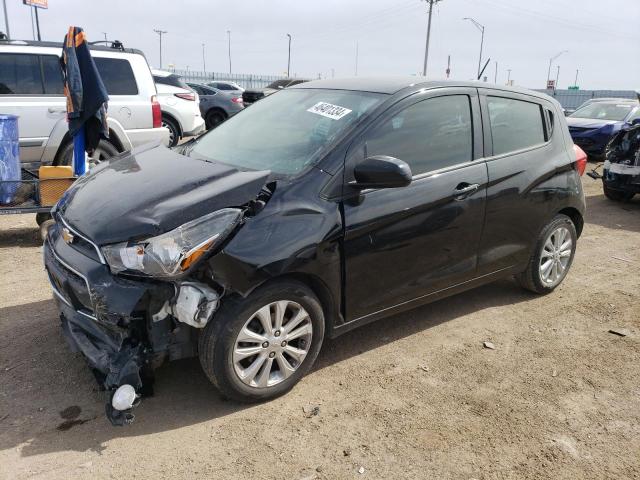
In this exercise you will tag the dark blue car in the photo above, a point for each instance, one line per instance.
(593, 125)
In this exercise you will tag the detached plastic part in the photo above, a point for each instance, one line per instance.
(194, 304)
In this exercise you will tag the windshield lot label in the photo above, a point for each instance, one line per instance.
(334, 112)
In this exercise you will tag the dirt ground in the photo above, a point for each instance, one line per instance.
(415, 396)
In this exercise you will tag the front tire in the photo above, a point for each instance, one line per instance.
(552, 256)
(215, 118)
(259, 347)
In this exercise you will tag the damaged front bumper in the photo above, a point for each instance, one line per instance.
(123, 327)
(621, 177)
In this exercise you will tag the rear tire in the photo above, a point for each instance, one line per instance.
(174, 131)
(222, 350)
(552, 246)
(104, 150)
(215, 118)
(617, 195)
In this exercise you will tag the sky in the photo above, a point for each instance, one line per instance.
(600, 39)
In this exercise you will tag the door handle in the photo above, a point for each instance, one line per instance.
(463, 190)
(57, 110)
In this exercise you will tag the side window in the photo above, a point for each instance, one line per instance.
(117, 76)
(515, 124)
(20, 74)
(224, 86)
(52, 75)
(428, 135)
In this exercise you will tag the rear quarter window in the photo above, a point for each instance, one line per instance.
(515, 124)
(117, 76)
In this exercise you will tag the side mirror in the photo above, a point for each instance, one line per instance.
(381, 171)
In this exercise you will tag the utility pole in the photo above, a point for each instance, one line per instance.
(289, 58)
(356, 59)
(480, 27)
(575, 82)
(551, 61)
(204, 62)
(333, 73)
(6, 19)
(229, 44)
(105, 36)
(426, 47)
(495, 77)
(448, 71)
(509, 77)
(557, 76)
(160, 33)
(37, 24)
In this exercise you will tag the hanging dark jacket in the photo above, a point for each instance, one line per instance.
(86, 94)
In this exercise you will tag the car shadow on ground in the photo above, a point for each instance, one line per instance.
(45, 378)
(20, 237)
(616, 215)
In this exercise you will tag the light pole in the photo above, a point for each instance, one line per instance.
(105, 36)
(508, 76)
(426, 47)
(160, 33)
(575, 82)
(289, 59)
(495, 77)
(480, 27)
(557, 76)
(229, 43)
(204, 62)
(6, 18)
(356, 59)
(551, 61)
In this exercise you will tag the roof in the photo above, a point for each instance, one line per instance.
(393, 84)
(32, 43)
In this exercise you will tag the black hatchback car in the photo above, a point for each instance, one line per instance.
(322, 208)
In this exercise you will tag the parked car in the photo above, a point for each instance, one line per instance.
(253, 95)
(180, 106)
(318, 210)
(593, 125)
(621, 172)
(228, 87)
(215, 105)
(31, 87)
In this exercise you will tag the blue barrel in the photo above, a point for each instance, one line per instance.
(9, 158)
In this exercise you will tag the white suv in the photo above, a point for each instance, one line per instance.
(31, 87)
(180, 106)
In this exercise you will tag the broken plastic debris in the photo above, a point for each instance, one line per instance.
(489, 345)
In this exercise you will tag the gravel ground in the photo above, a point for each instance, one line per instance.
(415, 396)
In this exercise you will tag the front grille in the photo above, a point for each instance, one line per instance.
(68, 284)
(80, 242)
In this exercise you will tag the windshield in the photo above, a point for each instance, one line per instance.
(604, 111)
(286, 131)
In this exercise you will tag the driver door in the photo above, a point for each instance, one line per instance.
(402, 244)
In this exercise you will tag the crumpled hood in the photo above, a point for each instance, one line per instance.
(150, 191)
(589, 122)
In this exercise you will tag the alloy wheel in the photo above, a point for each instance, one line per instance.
(555, 256)
(272, 344)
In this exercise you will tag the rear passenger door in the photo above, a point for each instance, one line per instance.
(521, 163)
(31, 88)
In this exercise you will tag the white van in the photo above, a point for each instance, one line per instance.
(31, 87)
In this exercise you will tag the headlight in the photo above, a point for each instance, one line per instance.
(172, 253)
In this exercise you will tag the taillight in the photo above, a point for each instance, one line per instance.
(156, 112)
(581, 159)
(186, 96)
(237, 100)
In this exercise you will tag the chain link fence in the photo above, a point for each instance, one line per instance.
(245, 80)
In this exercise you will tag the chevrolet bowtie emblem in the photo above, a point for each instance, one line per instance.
(67, 236)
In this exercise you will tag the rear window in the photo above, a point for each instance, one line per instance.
(173, 80)
(20, 74)
(117, 76)
(515, 124)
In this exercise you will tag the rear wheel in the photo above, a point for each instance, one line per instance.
(103, 151)
(617, 195)
(552, 256)
(259, 347)
(174, 131)
(215, 118)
